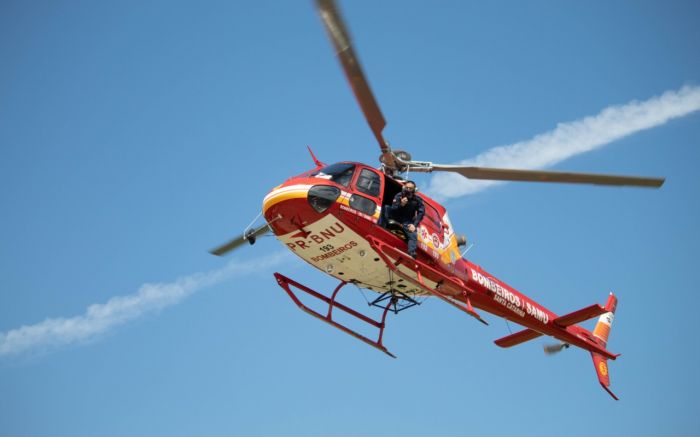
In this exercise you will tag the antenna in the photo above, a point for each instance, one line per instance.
(467, 250)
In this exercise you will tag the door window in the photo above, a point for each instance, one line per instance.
(368, 182)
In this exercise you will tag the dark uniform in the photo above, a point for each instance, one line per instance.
(410, 214)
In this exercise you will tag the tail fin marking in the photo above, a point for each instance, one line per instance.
(601, 368)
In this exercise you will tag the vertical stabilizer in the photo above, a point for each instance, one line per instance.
(602, 333)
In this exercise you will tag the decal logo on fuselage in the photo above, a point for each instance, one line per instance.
(424, 238)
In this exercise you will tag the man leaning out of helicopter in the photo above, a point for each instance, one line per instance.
(408, 209)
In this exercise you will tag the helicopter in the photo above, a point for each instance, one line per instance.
(335, 218)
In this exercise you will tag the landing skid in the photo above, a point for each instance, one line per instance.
(287, 284)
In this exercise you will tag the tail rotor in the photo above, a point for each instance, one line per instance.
(555, 348)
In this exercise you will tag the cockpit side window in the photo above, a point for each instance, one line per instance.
(368, 182)
(340, 173)
(432, 215)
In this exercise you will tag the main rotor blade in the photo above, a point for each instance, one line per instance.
(248, 237)
(337, 32)
(506, 174)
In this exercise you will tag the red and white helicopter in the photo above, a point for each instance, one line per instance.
(329, 216)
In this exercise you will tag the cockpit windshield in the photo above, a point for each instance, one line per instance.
(340, 173)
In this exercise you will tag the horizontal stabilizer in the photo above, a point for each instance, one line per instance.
(517, 338)
(579, 315)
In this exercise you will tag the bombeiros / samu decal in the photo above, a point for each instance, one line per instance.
(509, 299)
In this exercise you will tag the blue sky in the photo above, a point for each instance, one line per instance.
(136, 136)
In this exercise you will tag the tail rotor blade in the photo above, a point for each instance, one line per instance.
(551, 349)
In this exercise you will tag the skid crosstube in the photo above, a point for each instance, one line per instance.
(287, 284)
(453, 284)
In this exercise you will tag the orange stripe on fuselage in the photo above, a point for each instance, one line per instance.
(285, 193)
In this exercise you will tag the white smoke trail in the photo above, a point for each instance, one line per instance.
(99, 318)
(570, 139)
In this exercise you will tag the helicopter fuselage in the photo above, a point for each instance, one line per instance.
(329, 217)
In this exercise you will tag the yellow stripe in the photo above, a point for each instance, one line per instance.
(281, 197)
